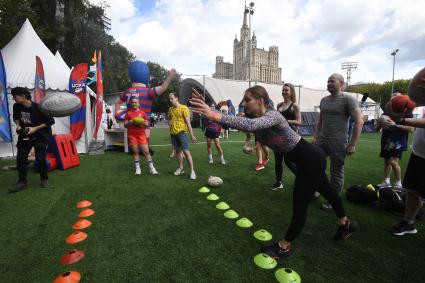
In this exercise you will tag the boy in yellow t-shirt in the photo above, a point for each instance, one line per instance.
(179, 120)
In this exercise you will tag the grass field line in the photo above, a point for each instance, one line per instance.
(238, 141)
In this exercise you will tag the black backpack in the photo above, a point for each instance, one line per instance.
(361, 195)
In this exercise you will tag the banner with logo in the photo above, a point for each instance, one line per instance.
(39, 84)
(99, 95)
(77, 86)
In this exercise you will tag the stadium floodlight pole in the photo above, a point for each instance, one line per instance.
(350, 67)
(250, 10)
(393, 54)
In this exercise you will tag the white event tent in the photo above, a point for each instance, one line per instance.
(20, 65)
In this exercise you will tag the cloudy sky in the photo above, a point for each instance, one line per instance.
(314, 36)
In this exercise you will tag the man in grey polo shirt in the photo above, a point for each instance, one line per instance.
(331, 131)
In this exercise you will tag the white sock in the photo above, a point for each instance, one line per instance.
(398, 183)
(150, 164)
(222, 157)
(210, 156)
(137, 163)
(386, 180)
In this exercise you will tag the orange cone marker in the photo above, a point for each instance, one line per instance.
(68, 277)
(86, 212)
(72, 257)
(81, 224)
(76, 237)
(83, 204)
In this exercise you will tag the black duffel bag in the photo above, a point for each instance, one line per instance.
(394, 201)
(361, 195)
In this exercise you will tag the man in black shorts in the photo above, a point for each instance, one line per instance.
(414, 180)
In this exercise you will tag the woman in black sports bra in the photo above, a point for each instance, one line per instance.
(291, 111)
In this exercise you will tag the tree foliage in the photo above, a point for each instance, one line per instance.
(381, 92)
(158, 75)
(76, 28)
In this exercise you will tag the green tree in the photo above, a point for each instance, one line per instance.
(74, 27)
(381, 91)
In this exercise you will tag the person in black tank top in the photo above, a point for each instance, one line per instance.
(291, 111)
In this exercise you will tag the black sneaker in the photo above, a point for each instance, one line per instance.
(276, 252)
(403, 228)
(345, 231)
(44, 183)
(19, 186)
(277, 185)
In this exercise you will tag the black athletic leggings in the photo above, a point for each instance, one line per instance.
(278, 166)
(311, 176)
(24, 148)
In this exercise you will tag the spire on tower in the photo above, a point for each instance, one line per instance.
(245, 13)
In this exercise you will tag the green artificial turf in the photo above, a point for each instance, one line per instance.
(161, 229)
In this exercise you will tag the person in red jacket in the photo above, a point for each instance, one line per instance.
(136, 121)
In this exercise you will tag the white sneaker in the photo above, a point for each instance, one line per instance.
(192, 175)
(384, 185)
(179, 171)
(210, 161)
(138, 171)
(153, 171)
(223, 162)
(398, 186)
(172, 155)
(316, 194)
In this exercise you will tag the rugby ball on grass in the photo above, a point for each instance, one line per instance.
(60, 104)
(248, 149)
(214, 181)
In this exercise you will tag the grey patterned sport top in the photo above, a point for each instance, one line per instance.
(271, 129)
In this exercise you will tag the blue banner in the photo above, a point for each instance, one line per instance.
(5, 130)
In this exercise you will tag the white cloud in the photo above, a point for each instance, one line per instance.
(314, 36)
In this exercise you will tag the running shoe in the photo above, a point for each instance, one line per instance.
(326, 206)
(403, 228)
(153, 171)
(44, 183)
(192, 175)
(397, 186)
(19, 186)
(179, 171)
(266, 160)
(276, 252)
(222, 161)
(345, 231)
(138, 171)
(277, 185)
(384, 185)
(259, 166)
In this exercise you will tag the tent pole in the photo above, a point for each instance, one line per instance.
(13, 148)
